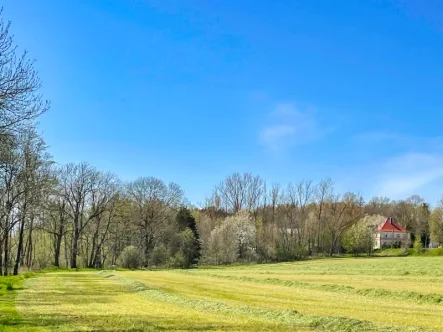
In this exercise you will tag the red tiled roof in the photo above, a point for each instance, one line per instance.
(391, 226)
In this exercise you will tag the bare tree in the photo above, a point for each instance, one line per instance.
(55, 223)
(380, 206)
(240, 191)
(84, 190)
(22, 177)
(342, 212)
(107, 190)
(35, 181)
(436, 223)
(20, 104)
(275, 199)
(322, 194)
(405, 212)
(19, 84)
(10, 195)
(293, 226)
(153, 203)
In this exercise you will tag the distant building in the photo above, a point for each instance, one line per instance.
(434, 245)
(391, 234)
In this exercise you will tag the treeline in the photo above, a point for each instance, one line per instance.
(245, 220)
(75, 215)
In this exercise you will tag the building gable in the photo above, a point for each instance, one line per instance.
(391, 226)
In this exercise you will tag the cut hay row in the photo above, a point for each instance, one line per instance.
(292, 318)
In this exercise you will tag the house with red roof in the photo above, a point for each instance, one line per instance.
(391, 234)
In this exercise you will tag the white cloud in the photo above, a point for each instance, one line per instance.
(409, 174)
(287, 126)
(274, 133)
(396, 165)
(397, 177)
(399, 141)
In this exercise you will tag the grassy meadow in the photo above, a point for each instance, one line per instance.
(347, 294)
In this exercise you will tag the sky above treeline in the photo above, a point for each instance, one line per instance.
(192, 91)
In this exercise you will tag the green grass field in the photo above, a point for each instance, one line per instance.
(352, 294)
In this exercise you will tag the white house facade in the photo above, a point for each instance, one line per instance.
(391, 234)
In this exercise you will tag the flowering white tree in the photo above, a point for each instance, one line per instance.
(233, 240)
(359, 238)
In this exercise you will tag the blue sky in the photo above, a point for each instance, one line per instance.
(191, 91)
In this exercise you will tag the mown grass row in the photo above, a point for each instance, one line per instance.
(373, 266)
(369, 292)
(8, 311)
(9, 283)
(287, 317)
(409, 252)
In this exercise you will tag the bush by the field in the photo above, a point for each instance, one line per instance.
(10, 283)
(130, 258)
(429, 252)
(392, 252)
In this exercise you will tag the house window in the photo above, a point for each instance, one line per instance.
(398, 235)
(386, 235)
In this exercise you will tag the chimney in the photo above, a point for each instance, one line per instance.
(390, 220)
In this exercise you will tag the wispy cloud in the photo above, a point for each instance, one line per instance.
(395, 164)
(400, 141)
(408, 174)
(397, 177)
(287, 126)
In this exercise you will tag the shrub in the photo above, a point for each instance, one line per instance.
(9, 285)
(178, 260)
(28, 275)
(359, 238)
(418, 246)
(265, 254)
(190, 251)
(159, 255)
(130, 258)
(434, 252)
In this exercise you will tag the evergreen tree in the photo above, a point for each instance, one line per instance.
(186, 220)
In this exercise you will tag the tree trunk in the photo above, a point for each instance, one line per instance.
(334, 242)
(25, 253)
(20, 244)
(75, 249)
(6, 250)
(58, 245)
(59, 236)
(146, 250)
(66, 253)
(104, 256)
(114, 254)
(94, 248)
(1, 257)
(97, 262)
(29, 246)
(148, 246)
(29, 260)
